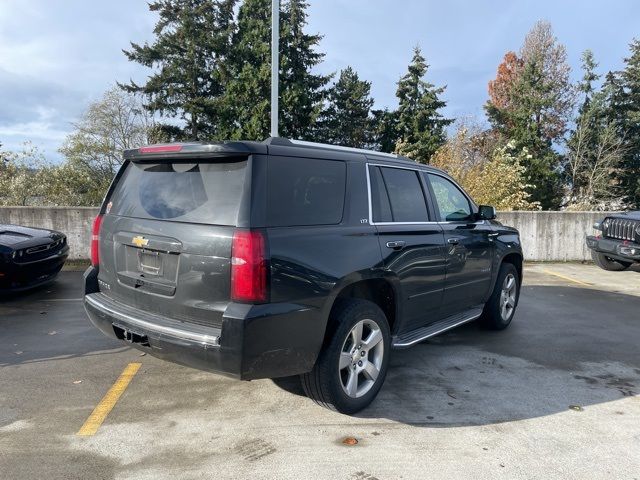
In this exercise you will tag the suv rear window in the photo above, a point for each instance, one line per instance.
(304, 191)
(196, 192)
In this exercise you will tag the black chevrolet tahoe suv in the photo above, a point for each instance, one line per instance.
(617, 245)
(283, 258)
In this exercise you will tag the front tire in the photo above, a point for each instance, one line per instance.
(501, 306)
(606, 263)
(352, 366)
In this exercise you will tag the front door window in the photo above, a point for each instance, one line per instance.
(452, 204)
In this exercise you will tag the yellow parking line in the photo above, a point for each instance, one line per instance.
(107, 403)
(579, 282)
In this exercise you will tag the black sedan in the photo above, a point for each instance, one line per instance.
(29, 256)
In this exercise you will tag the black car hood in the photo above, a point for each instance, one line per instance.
(626, 215)
(15, 235)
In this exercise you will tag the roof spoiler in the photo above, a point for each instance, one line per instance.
(187, 150)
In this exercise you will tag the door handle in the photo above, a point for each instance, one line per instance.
(493, 235)
(453, 241)
(397, 245)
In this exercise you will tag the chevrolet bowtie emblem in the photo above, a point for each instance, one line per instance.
(140, 241)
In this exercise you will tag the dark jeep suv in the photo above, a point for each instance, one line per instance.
(282, 258)
(617, 246)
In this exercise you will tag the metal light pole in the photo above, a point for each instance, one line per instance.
(275, 63)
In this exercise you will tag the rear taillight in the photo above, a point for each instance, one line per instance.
(248, 267)
(95, 241)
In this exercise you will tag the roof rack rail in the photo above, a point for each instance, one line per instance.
(344, 149)
(304, 143)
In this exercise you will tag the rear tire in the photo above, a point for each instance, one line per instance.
(501, 306)
(352, 366)
(606, 263)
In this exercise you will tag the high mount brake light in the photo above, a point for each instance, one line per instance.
(95, 241)
(160, 149)
(248, 267)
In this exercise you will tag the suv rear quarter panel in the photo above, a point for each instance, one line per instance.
(309, 265)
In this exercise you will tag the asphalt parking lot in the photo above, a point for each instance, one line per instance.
(554, 396)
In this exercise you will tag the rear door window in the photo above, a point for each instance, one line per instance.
(202, 192)
(304, 191)
(407, 201)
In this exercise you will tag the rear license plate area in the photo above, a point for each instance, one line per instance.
(147, 270)
(150, 262)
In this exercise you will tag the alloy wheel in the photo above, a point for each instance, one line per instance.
(508, 297)
(361, 358)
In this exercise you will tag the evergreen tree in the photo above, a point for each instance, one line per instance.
(346, 119)
(543, 165)
(302, 92)
(384, 130)
(583, 139)
(614, 90)
(421, 127)
(247, 98)
(191, 44)
(534, 104)
(594, 148)
(626, 109)
(589, 76)
(247, 95)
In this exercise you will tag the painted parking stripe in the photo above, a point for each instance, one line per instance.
(564, 277)
(107, 403)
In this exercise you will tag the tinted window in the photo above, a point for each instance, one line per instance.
(379, 198)
(452, 203)
(303, 191)
(405, 195)
(196, 193)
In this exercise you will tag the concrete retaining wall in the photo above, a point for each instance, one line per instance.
(75, 222)
(546, 236)
(553, 236)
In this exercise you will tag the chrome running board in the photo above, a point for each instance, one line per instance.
(419, 334)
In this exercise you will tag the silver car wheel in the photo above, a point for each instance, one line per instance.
(361, 358)
(508, 297)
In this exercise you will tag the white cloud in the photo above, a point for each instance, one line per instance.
(33, 130)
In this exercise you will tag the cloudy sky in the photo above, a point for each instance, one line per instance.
(57, 56)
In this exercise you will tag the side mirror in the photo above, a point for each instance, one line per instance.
(486, 212)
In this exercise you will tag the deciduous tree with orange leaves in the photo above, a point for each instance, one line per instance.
(509, 72)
